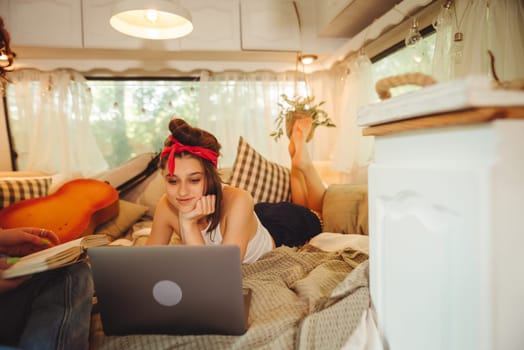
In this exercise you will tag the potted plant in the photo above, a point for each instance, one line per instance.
(299, 107)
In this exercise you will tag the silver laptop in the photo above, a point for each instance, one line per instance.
(170, 289)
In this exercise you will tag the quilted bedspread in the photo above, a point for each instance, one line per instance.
(303, 298)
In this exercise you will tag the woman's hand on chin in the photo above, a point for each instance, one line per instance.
(203, 207)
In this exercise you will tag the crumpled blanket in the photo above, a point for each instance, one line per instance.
(303, 298)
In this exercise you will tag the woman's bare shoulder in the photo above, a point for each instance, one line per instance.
(163, 207)
(234, 195)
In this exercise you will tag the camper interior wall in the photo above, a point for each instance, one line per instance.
(5, 154)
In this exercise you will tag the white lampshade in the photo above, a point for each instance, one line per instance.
(307, 59)
(151, 19)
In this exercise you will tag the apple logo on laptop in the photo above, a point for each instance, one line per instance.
(167, 293)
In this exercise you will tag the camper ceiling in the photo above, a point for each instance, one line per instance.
(355, 16)
(228, 34)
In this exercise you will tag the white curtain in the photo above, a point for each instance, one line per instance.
(247, 108)
(50, 121)
(257, 95)
(325, 86)
(353, 151)
(496, 25)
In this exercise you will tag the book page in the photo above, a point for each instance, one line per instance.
(54, 257)
(42, 255)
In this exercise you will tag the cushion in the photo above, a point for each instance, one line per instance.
(345, 209)
(332, 241)
(152, 193)
(15, 189)
(265, 180)
(128, 214)
(126, 171)
(290, 224)
(225, 174)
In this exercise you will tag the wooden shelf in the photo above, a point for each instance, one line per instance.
(470, 116)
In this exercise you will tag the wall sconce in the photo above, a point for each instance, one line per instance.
(151, 19)
(307, 59)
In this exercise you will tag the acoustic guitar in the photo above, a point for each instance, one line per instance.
(72, 211)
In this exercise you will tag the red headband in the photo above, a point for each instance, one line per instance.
(177, 147)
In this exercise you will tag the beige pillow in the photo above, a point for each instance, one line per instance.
(152, 193)
(225, 174)
(123, 173)
(333, 242)
(128, 215)
(345, 209)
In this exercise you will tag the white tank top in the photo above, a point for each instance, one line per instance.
(260, 244)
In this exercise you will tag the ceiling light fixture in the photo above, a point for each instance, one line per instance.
(307, 59)
(151, 19)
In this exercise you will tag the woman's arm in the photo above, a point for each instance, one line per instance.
(240, 224)
(189, 221)
(162, 227)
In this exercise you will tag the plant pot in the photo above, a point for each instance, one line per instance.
(290, 121)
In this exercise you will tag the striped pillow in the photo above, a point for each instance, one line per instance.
(265, 180)
(13, 190)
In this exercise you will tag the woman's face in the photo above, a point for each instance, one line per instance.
(187, 185)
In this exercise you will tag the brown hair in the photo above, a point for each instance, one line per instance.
(192, 136)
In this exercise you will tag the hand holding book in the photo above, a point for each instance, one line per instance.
(53, 257)
(26, 240)
(21, 241)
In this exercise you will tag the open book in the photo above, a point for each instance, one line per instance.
(54, 257)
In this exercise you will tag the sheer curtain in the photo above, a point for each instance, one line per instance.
(49, 112)
(496, 25)
(227, 98)
(353, 152)
(234, 104)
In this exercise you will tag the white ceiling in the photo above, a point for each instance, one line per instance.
(329, 28)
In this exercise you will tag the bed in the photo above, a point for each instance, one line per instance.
(311, 297)
(303, 298)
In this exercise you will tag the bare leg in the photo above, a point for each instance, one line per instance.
(307, 188)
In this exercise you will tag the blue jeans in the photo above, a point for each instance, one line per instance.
(52, 310)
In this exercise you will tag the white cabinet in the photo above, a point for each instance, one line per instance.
(54, 23)
(216, 26)
(328, 10)
(225, 25)
(446, 237)
(269, 25)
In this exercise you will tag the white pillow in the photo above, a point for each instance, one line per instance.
(332, 242)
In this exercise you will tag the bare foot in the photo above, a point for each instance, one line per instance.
(297, 145)
(304, 124)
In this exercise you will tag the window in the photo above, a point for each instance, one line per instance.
(401, 59)
(130, 117)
